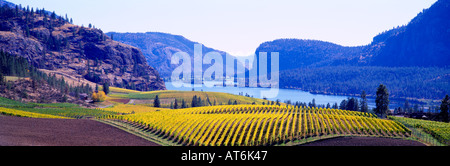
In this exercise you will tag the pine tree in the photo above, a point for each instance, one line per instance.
(2, 79)
(364, 105)
(382, 100)
(53, 16)
(183, 104)
(352, 104)
(313, 103)
(335, 106)
(343, 105)
(194, 101)
(407, 107)
(156, 103)
(175, 105)
(106, 87)
(445, 104)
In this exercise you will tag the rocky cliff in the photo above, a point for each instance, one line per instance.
(51, 42)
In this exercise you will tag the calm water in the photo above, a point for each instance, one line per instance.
(283, 94)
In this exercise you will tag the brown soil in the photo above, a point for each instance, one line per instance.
(124, 101)
(364, 141)
(19, 131)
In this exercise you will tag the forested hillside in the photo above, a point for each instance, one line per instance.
(402, 82)
(412, 60)
(425, 41)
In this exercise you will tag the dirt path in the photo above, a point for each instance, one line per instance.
(18, 131)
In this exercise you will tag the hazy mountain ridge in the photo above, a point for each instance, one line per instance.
(296, 53)
(158, 48)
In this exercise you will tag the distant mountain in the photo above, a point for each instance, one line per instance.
(3, 2)
(297, 53)
(50, 42)
(158, 48)
(393, 58)
(425, 41)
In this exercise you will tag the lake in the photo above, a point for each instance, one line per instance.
(283, 94)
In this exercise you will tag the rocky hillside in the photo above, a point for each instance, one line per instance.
(27, 90)
(51, 42)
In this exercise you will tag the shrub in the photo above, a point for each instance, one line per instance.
(99, 97)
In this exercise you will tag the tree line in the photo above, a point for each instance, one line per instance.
(403, 82)
(18, 66)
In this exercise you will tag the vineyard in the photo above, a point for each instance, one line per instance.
(439, 130)
(256, 125)
(19, 113)
(52, 110)
(131, 109)
(214, 98)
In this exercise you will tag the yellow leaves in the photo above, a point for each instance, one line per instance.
(131, 109)
(254, 125)
(14, 112)
(99, 97)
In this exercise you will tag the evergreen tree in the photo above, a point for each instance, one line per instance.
(199, 102)
(445, 104)
(53, 15)
(382, 100)
(343, 105)
(106, 87)
(335, 106)
(407, 107)
(2, 79)
(156, 103)
(194, 101)
(175, 105)
(364, 105)
(183, 104)
(352, 104)
(313, 103)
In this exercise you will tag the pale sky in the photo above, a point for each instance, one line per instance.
(239, 26)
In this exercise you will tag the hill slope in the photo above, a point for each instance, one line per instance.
(51, 42)
(425, 41)
(394, 58)
(296, 53)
